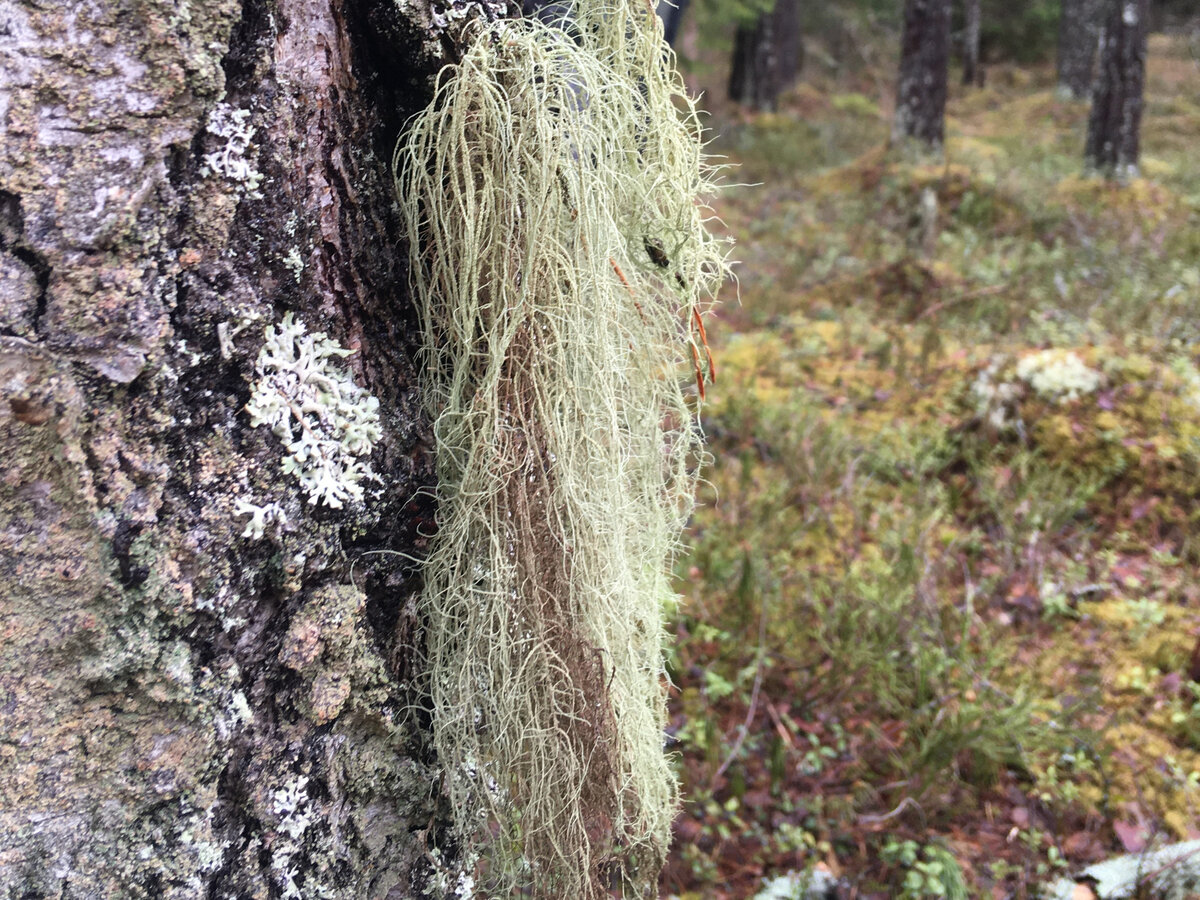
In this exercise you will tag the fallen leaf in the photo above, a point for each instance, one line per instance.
(1132, 837)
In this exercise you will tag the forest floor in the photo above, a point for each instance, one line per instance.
(941, 608)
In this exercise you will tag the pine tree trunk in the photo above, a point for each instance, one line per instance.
(672, 12)
(972, 74)
(1078, 37)
(924, 57)
(189, 708)
(1115, 123)
(767, 56)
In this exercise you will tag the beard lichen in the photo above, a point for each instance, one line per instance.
(560, 260)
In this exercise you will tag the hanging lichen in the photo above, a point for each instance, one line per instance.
(559, 256)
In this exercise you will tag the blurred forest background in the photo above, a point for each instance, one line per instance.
(940, 617)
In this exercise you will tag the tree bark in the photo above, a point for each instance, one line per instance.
(766, 56)
(1115, 123)
(187, 709)
(924, 58)
(1078, 37)
(972, 74)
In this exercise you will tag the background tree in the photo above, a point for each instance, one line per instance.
(672, 14)
(924, 57)
(767, 55)
(1114, 125)
(1078, 37)
(972, 74)
(203, 678)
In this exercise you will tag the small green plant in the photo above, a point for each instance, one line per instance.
(1055, 602)
(928, 871)
(1147, 614)
(1185, 715)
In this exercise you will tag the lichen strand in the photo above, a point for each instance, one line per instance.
(559, 255)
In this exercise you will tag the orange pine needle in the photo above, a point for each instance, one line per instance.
(612, 262)
(712, 366)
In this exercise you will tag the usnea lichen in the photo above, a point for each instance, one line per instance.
(327, 422)
(560, 265)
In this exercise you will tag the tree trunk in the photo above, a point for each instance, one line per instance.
(972, 74)
(1115, 122)
(1078, 36)
(672, 12)
(766, 56)
(203, 678)
(924, 57)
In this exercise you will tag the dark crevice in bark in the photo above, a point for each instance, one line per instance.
(384, 46)
(232, 819)
(131, 575)
(12, 241)
(246, 43)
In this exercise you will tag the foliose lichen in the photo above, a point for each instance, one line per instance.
(230, 160)
(327, 423)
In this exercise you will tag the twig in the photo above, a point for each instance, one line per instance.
(758, 676)
(969, 295)
(906, 802)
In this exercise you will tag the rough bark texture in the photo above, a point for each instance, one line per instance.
(924, 57)
(186, 712)
(1114, 126)
(972, 73)
(1078, 36)
(766, 56)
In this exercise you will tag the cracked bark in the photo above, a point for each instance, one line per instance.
(186, 712)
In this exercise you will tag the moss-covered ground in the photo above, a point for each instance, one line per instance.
(942, 601)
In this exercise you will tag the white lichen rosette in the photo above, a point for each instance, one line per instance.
(1056, 376)
(1059, 376)
(327, 422)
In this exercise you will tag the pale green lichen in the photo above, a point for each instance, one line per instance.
(560, 260)
(1058, 375)
(230, 159)
(294, 262)
(1168, 873)
(327, 422)
(261, 517)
